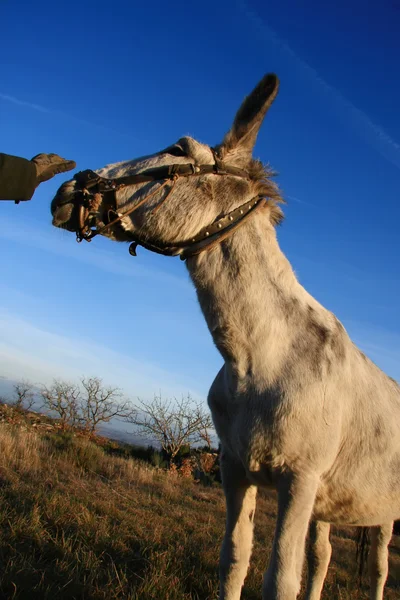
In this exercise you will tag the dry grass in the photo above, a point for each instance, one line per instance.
(78, 524)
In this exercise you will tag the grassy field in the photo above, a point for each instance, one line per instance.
(77, 523)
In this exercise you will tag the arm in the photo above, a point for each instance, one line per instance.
(17, 178)
(20, 177)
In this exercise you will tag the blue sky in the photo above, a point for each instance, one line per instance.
(104, 83)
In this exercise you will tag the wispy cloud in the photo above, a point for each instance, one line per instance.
(60, 243)
(60, 114)
(372, 133)
(299, 201)
(27, 351)
(18, 102)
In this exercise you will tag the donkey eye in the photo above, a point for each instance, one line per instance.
(175, 151)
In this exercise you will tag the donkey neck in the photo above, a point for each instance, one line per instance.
(252, 301)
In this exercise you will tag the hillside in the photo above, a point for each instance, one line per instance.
(78, 523)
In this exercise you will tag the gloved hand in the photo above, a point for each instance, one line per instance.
(48, 165)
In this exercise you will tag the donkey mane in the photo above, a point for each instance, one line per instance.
(262, 174)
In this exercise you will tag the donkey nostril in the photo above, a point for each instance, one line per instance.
(61, 214)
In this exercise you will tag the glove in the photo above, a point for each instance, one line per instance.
(48, 165)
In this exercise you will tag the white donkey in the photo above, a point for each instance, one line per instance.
(296, 404)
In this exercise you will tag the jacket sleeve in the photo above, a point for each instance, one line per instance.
(17, 178)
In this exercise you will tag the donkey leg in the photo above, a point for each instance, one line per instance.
(236, 548)
(378, 559)
(296, 497)
(318, 558)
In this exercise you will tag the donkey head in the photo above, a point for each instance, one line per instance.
(193, 202)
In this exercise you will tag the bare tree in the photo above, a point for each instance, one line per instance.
(63, 398)
(100, 404)
(172, 423)
(85, 405)
(24, 396)
(205, 434)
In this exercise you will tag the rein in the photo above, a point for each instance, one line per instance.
(93, 188)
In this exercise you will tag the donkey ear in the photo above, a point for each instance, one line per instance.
(250, 116)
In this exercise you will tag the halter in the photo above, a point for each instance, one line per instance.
(92, 189)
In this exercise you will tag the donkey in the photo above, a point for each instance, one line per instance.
(296, 405)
